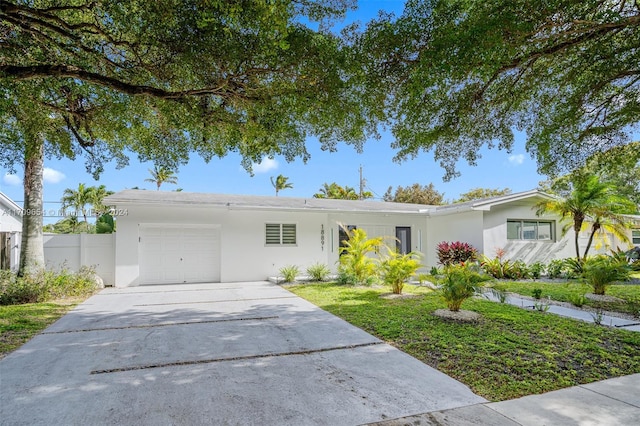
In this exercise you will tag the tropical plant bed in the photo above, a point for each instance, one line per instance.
(510, 353)
(625, 299)
(19, 323)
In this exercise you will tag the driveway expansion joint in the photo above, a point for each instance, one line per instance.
(607, 395)
(215, 301)
(237, 358)
(163, 324)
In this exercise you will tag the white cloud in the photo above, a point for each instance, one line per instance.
(516, 159)
(266, 165)
(52, 176)
(13, 180)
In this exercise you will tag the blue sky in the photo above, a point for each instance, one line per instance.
(496, 168)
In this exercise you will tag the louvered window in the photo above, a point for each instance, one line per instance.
(279, 234)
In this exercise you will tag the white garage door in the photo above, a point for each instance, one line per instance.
(179, 254)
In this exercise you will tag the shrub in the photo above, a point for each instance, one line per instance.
(455, 252)
(397, 268)
(574, 268)
(556, 269)
(536, 269)
(459, 283)
(289, 273)
(318, 272)
(600, 271)
(518, 271)
(494, 267)
(499, 268)
(354, 256)
(45, 285)
(422, 278)
(537, 293)
(345, 278)
(577, 300)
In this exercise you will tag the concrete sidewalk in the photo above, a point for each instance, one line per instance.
(214, 354)
(613, 402)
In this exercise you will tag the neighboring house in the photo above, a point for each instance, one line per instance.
(10, 232)
(176, 237)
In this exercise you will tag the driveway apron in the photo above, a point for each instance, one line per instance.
(214, 354)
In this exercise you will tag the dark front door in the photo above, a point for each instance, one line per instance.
(403, 239)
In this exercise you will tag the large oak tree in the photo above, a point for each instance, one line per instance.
(453, 76)
(163, 79)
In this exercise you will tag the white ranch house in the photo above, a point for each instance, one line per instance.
(180, 237)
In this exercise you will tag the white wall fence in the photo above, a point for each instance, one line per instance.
(75, 250)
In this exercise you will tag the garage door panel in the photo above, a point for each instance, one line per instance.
(179, 254)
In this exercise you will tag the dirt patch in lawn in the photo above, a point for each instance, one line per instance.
(399, 296)
(461, 315)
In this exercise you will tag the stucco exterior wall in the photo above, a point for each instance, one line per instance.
(495, 235)
(562, 246)
(465, 227)
(246, 256)
(376, 225)
(9, 221)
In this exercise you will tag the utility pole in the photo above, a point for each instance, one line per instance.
(361, 194)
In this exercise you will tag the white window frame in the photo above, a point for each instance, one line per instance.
(635, 236)
(551, 224)
(280, 234)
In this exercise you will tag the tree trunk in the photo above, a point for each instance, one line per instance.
(32, 248)
(594, 228)
(576, 231)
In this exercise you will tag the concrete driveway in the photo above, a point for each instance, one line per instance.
(214, 354)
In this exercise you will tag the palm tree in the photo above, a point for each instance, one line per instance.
(280, 183)
(336, 191)
(97, 197)
(160, 175)
(78, 199)
(594, 202)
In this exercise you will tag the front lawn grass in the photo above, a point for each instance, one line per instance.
(19, 323)
(511, 353)
(564, 291)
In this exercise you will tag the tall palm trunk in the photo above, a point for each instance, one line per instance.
(578, 220)
(32, 248)
(594, 228)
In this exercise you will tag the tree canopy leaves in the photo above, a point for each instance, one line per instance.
(164, 79)
(480, 193)
(459, 75)
(415, 194)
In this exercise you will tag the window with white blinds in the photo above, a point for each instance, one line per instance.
(280, 234)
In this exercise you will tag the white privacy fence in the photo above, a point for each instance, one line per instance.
(75, 250)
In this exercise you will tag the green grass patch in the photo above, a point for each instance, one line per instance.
(19, 323)
(511, 353)
(565, 291)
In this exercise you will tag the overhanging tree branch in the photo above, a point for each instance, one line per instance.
(224, 90)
